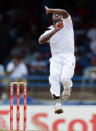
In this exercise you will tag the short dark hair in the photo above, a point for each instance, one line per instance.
(17, 57)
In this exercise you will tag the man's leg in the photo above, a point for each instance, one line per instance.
(67, 74)
(67, 84)
(54, 80)
(58, 107)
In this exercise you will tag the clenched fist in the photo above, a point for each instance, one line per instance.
(59, 26)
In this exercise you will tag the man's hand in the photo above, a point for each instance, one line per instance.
(59, 26)
(47, 10)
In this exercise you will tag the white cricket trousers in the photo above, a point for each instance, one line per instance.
(61, 71)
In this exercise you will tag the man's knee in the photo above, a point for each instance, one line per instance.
(67, 83)
(53, 78)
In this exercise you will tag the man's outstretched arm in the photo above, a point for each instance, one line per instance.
(46, 36)
(62, 12)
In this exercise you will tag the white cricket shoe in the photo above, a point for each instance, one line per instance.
(58, 108)
(66, 94)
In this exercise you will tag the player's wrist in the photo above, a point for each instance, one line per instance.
(54, 30)
(50, 11)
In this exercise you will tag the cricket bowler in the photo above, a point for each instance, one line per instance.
(60, 36)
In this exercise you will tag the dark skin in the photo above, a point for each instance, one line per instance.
(62, 12)
(57, 16)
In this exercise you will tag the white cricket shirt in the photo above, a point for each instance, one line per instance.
(19, 71)
(62, 42)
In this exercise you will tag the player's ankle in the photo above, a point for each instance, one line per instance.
(56, 97)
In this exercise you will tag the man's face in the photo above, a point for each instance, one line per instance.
(56, 18)
(16, 61)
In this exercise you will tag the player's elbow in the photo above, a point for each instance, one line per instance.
(41, 41)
